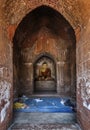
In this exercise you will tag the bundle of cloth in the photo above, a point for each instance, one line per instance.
(19, 103)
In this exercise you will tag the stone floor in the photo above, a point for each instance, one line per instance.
(44, 121)
(45, 127)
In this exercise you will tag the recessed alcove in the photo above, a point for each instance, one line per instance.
(45, 74)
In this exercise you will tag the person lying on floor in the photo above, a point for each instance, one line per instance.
(70, 103)
(20, 104)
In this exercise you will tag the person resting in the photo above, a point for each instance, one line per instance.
(20, 105)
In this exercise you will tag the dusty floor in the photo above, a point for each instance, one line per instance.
(44, 121)
(46, 127)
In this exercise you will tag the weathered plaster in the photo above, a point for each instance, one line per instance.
(4, 98)
(84, 84)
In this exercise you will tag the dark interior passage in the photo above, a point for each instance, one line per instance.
(41, 34)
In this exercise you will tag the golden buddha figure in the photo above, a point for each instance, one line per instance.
(44, 72)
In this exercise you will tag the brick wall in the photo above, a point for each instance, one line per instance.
(6, 90)
(83, 78)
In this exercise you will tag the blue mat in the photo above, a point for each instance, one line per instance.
(46, 104)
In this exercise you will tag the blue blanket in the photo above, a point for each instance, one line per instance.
(46, 104)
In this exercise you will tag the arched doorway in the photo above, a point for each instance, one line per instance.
(51, 34)
(44, 75)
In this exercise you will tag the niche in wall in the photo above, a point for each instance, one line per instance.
(44, 75)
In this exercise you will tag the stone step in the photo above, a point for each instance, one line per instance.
(28, 126)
